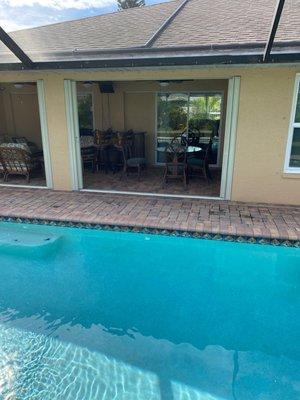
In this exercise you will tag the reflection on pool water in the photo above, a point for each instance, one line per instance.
(107, 315)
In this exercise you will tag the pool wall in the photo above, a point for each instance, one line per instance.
(157, 231)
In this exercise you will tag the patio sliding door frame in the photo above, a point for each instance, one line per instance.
(73, 134)
(232, 110)
(228, 149)
(45, 136)
(45, 140)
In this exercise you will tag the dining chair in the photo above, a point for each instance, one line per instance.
(175, 166)
(125, 145)
(102, 142)
(200, 163)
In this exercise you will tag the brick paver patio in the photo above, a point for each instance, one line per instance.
(217, 217)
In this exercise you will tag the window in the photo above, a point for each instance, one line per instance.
(292, 161)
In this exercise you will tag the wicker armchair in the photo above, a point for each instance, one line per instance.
(15, 159)
(87, 150)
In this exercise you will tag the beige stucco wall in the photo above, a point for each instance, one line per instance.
(140, 117)
(263, 124)
(263, 121)
(57, 131)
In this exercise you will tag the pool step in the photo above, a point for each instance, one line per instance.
(15, 239)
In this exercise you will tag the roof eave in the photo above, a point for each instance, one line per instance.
(163, 61)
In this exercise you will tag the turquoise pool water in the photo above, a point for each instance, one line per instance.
(105, 315)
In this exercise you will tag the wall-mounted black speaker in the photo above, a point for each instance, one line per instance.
(106, 87)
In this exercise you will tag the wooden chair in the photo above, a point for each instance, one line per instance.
(15, 160)
(125, 144)
(201, 163)
(103, 139)
(175, 166)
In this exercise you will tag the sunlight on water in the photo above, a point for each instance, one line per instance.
(36, 367)
(184, 392)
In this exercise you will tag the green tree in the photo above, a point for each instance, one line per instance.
(124, 4)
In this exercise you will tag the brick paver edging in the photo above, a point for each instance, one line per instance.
(208, 219)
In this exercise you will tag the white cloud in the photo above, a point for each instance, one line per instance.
(10, 25)
(20, 14)
(60, 4)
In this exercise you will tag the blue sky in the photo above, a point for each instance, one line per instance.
(19, 14)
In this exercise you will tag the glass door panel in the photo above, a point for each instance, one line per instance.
(204, 121)
(197, 115)
(172, 120)
(85, 113)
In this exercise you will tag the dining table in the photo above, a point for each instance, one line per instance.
(188, 149)
(176, 170)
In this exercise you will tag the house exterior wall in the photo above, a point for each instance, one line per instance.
(57, 131)
(263, 124)
(262, 130)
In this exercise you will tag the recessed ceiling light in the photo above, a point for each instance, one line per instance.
(164, 83)
(87, 84)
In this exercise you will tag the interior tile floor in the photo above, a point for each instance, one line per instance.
(152, 182)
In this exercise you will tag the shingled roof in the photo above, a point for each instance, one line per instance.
(178, 28)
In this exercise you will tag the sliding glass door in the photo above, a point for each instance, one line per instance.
(85, 112)
(172, 120)
(196, 116)
(204, 120)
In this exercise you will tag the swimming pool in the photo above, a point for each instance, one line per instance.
(87, 314)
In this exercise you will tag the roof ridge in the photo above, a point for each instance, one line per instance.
(94, 16)
(165, 24)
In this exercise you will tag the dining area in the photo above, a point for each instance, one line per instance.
(114, 151)
(185, 161)
(119, 161)
(138, 138)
